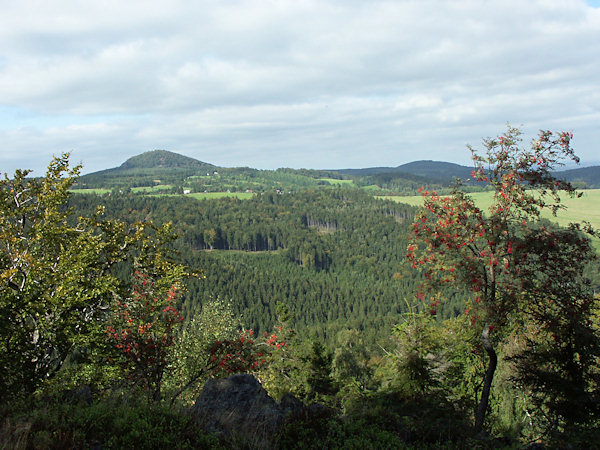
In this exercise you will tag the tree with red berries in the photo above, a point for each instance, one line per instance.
(494, 253)
(143, 330)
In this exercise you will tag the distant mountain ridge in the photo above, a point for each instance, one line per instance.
(444, 171)
(435, 170)
(163, 161)
(588, 176)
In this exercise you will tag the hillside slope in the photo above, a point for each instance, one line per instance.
(438, 170)
(588, 177)
(163, 159)
(146, 170)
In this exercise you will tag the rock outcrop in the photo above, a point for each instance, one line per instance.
(240, 406)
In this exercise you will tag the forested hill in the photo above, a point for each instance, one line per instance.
(147, 169)
(585, 177)
(162, 159)
(428, 171)
(438, 170)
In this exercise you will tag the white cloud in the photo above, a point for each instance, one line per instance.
(291, 83)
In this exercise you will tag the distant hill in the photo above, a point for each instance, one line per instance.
(147, 169)
(163, 159)
(440, 170)
(368, 171)
(433, 170)
(445, 172)
(588, 177)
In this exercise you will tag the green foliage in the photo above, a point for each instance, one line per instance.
(350, 366)
(110, 423)
(382, 420)
(498, 255)
(285, 370)
(431, 358)
(335, 433)
(142, 328)
(164, 159)
(53, 276)
(300, 367)
(558, 363)
(167, 171)
(336, 256)
(57, 275)
(191, 354)
(461, 362)
(418, 343)
(146, 170)
(319, 382)
(173, 173)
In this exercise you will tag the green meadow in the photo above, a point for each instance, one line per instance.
(155, 191)
(334, 181)
(209, 195)
(152, 189)
(139, 189)
(585, 208)
(97, 191)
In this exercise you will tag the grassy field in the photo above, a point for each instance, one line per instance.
(578, 209)
(158, 188)
(340, 182)
(155, 191)
(209, 195)
(98, 191)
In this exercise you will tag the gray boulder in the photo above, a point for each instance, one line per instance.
(239, 406)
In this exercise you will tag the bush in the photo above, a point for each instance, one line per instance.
(108, 423)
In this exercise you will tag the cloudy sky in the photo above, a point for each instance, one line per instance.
(295, 83)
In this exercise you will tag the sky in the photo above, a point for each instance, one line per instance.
(319, 84)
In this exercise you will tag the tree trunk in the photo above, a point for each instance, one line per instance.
(489, 376)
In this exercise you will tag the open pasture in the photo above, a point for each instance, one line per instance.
(152, 189)
(586, 208)
(334, 181)
(97, 191)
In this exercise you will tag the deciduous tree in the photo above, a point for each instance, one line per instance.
(143, 329)
(56, 282)
(494, 253)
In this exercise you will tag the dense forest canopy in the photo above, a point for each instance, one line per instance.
(335, 255)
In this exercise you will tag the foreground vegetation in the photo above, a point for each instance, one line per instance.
(485, 335)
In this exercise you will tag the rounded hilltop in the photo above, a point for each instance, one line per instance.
(163, 159)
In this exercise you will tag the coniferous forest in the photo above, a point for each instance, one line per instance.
(447, 326)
